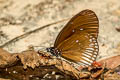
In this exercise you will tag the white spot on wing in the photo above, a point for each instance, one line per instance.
(88, 51)
(96, 46)
(91, 45)
(86, 55)
(15, 72)
(93, 38)
(90, 48)
(81, 63)
(90, 40)
(87, 59)
(94, 55)
(6, 69)
(95, 52)
(85, 62)
(77, 41)
(91, 14)
(90, 36)
(73, 30)
(81, 29)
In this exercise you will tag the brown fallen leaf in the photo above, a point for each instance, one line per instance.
(6, 58)
(111, 62)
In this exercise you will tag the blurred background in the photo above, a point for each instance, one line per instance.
(18, 17)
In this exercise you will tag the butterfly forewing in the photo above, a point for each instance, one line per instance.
(77, 41)
(86, 19)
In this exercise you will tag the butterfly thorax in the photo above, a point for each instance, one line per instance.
(54, 51)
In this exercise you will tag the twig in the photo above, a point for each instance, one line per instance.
(30, 32)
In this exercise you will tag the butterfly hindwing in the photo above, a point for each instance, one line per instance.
(80, 49)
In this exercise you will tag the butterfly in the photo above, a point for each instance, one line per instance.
(77, 41)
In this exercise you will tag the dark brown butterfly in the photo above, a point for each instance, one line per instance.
(77, 41)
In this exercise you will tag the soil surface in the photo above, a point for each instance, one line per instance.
(19, 16)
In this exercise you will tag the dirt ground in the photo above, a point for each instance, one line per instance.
(19, 16)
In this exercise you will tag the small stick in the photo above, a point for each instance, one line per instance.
(30, 32)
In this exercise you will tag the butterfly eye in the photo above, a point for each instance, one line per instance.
(77, 41)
